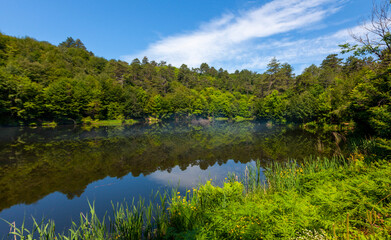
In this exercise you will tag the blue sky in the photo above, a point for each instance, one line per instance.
(232, 34)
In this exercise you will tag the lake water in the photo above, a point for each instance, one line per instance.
(53, 173)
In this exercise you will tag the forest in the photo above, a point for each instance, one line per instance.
(40, 82)
(344, 196)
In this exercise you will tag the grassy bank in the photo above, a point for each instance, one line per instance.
(113, 122)
(315, 199)
(330, 198)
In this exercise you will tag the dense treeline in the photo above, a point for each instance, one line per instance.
(42, 82)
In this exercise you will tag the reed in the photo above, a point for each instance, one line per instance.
(289, 175)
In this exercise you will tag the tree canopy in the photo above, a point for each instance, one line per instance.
(66, 83)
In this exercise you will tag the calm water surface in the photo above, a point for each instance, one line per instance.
(53, 173)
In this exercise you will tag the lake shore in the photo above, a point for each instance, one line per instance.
(317, 199)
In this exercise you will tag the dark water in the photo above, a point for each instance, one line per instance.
(53, 173)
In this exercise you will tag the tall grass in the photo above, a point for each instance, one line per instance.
(285, 176)
(288, 176)
(139, 220)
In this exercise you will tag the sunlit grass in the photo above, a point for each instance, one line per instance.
(115, 122)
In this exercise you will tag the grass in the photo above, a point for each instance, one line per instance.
(313, 198)
(241, 119)
(221, 118)
(115, 122)
(89, 123)
(52, 124)
(316, 198)
(152, 120)
(139, 220)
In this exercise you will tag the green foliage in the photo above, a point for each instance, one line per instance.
(140, 220)
(380, 120)
(370, 102)
(155, 106)
(302, 108)
(40, 82)
(272, 107)
(211, 196)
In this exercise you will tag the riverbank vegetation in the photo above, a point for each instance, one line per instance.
(337, 198)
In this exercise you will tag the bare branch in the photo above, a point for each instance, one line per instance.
(377, 39)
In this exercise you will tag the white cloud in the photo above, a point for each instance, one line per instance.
(193, 175)
(244, 40)
(301, 52)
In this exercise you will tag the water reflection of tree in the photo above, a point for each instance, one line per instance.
(37, 162)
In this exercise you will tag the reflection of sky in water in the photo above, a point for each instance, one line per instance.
(39, 165)
(110, 190)
(194, 175)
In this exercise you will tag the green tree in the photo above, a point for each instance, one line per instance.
(71, 43)
(272, 107)
(135, 102)
(279, 76)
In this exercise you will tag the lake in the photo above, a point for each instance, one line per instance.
(53, 173)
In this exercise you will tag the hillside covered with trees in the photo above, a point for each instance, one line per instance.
(41, 82)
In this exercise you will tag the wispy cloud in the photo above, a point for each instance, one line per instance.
(247, 40)
(300, 52)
